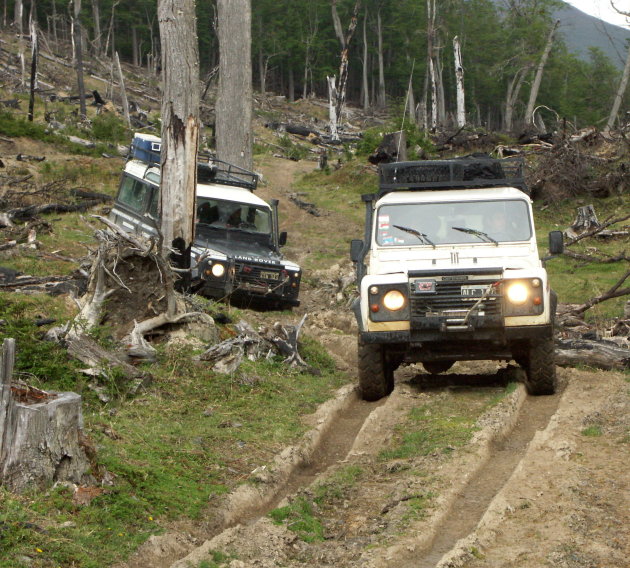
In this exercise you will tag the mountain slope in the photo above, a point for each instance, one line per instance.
(582, 31)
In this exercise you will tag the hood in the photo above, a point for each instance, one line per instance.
(389, 261)
(246, 250)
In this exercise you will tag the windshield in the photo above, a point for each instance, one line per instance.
(233, 215)
(431, 224)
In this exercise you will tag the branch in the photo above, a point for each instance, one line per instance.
(614, 292)
(599, 229)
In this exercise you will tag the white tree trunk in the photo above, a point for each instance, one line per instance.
(123, 91)
(533, 95)
(459, 77)
(332, 107)
(381, 98)
(180, 129)
(365, 87)
(234, 99)
(619, 96)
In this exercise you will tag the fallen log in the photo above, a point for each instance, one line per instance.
(601, 354)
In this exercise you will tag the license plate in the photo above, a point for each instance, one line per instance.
(269, 275)
(473, 291)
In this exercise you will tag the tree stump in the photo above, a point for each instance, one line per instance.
(41, 433)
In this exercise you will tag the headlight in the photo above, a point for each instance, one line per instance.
(517, 293)
(218, 270)
(394, 300)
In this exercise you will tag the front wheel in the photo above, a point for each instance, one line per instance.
(376, 373)
(540, 367)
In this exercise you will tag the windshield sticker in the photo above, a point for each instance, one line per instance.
(383, 222)
(387, 240)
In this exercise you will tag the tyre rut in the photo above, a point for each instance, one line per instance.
(473, 501)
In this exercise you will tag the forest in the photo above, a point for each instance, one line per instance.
(392, 46)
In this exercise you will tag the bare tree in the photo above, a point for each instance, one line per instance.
(34, 56)
(533, 95)
(338, 94)
(381, 97)
(234, 98)
(459, 76)
(365, 90)
(180, 130)
(96, 18)
(78, 54)
(622, 85)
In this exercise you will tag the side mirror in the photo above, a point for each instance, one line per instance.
(282, 238)
(556, 242)
(356, 247)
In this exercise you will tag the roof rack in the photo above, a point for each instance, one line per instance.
(468, 172)
(146, 148)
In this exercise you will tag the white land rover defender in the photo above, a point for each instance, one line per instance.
(236, 251)
(449, 271)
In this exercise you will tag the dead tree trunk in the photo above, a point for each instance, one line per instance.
(78, 41)
(619, 95)
(34, 55)
(41, 437)
(533, 95)
(180, 131)
(365, 89)
(343, 65)
(381, 98)
(123, 91)
(234, 98)
(459, 76)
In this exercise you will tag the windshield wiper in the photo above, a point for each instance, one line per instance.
(422, 236)
(483, 236)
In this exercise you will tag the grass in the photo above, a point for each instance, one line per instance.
(576, 281)
(443, 425)
(191, 436)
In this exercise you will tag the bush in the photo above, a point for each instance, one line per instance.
(109, 127)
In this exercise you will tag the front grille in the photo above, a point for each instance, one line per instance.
(449, 301)
(262, 279)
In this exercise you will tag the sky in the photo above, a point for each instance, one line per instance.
(603, 10)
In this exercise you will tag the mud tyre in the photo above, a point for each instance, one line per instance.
(376, 373)
(437, 367)
(540, 368)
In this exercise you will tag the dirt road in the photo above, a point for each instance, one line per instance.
(543, 481)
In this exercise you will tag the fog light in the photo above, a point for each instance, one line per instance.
(373, 290)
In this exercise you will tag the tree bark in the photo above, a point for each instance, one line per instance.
(34, 55)
(234, 99)
(96, 17)
(459, 77)
(123, 91)
(41, 436)
(78, 44)
(365, 86)
(614, 111)
(381, 97)
(533, 95)
(514, 88)
(180, 130)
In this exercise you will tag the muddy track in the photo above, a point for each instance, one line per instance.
(354, 434)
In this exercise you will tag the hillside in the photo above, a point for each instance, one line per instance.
(269, 465)
(582, 31)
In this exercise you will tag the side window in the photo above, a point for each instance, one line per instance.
(153, 205)
(133, 193)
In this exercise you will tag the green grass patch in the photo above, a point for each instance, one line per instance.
(593, 431)
(191, 435)
(443, 424)
(335, 487)
(300, 518)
